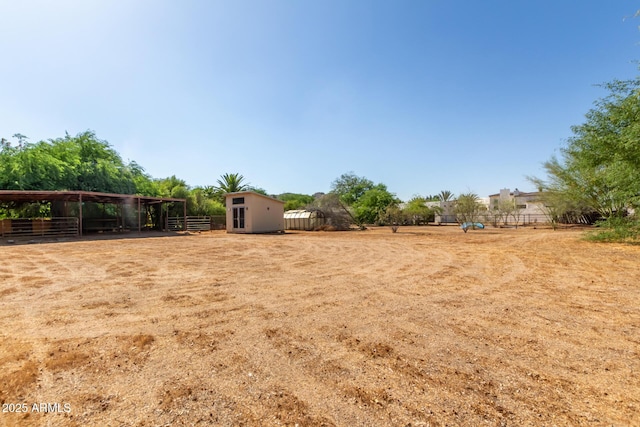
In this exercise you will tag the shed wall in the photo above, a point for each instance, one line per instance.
(262, 214)
(266, 216)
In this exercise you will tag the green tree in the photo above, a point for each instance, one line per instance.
(468, 208)
(200, 204)
(598, 168)
(175, 188)
(394, 217)
(445, 196)
(82, 162)
(145, 185)
(295, 201)
(558, 208)
(372, 205)
(258, 190)
(231, 183)
(417, 210)
(22, 139)
(505, 209)
(350, 187)
(172, 187)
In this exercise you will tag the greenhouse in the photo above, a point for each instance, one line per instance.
(303, 220)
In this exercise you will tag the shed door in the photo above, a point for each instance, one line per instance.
(238, 217)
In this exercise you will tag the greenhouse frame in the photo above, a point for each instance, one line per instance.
(301, 219)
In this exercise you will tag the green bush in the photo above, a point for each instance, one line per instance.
(615, 229)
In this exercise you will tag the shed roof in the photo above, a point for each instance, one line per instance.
(252, 193)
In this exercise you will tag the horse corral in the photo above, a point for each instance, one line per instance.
(427, 326)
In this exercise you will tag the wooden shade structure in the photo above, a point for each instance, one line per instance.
(87, 196)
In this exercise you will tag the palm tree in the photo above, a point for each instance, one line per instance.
(231, 183)
(445, 196)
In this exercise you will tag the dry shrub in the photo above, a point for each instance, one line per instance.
(174, 395)
(17, 371)
(326, 227)
(377, 349)
(12, 350)
(335, 213)
(202, 340)
(141, 340)
(63, 359)
(17, 382)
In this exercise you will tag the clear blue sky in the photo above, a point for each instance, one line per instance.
(422, 96)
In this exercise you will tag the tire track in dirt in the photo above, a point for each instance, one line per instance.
(431, 326)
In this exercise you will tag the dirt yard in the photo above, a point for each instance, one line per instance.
(425, 327)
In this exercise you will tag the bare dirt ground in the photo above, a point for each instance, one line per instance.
(426, 327)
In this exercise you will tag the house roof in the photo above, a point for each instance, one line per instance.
(252, 193)
(520, 194)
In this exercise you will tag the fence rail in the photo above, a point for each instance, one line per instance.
(535, 219)
(195, 223)
(39, 227)
(198, 223)
(175, 223)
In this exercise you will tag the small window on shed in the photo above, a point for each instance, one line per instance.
(238, 201)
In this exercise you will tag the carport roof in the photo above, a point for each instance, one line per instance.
(76, 196)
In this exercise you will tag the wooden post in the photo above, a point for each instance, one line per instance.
(184, 204)
(80, 215)
(161, 224)
(139, 225)
(121, 218)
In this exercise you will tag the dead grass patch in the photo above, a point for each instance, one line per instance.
(427, 326)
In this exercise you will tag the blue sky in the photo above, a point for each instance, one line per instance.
(422, 96)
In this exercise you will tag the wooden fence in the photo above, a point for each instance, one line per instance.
(39, 227)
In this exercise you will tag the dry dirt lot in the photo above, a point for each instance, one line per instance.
(426, 327)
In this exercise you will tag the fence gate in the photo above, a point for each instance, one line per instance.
(198, 223)
(175, 223)
(194, 223)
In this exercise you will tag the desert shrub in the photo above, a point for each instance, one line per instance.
(616, 229)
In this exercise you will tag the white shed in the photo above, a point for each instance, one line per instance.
(251, 212)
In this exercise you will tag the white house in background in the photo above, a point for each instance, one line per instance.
(251, 212)
(447, 212)
(529, 205)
